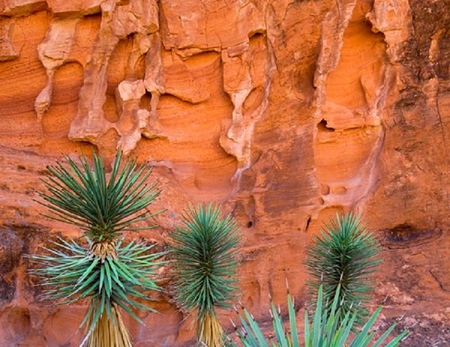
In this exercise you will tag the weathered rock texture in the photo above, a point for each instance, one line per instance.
(285, 111)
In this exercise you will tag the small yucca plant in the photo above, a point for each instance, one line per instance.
(344, 256)
(324, 329)
(107, 271)
(204, 253)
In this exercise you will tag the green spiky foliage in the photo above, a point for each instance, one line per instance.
(103, 208)
(344, 256)
(324, 329)
(71, 273)
(113, 275)
(204, 250)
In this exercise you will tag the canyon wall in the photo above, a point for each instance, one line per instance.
(284, 111)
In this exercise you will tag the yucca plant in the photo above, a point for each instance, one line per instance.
(112, 274)
(324, 329)
(344, 256)
(204, 253)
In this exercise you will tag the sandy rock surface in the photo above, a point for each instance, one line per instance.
(284, 111)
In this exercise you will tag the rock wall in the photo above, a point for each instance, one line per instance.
(284, 111)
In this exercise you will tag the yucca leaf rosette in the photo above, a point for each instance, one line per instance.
(122, 279)
(204, 253)
(324, 328)
(344, 256)
(103, 207)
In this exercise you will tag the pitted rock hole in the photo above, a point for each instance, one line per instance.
(323, 126)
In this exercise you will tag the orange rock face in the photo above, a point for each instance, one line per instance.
(285, 111)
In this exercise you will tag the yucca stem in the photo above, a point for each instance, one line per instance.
(110, 331)
(104, 249)
(210, 331)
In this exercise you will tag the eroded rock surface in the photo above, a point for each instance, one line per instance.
(284, 111)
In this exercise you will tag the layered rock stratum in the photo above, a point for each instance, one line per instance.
(283, 111)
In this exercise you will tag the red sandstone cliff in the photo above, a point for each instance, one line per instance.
(286, 111)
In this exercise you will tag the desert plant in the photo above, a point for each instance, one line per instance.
(83, 196)
(107, 271)
(204, 252)
(344, 256)
(324, 329)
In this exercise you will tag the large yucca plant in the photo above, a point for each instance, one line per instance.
(325, 328)
(112, 274)
(342, 260)
(204, 250)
